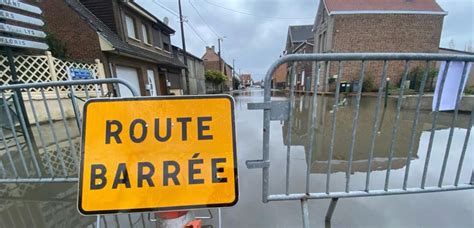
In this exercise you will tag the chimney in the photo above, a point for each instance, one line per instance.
(210, 48)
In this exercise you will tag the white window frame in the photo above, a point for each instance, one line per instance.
(131, 31)
(145, 34)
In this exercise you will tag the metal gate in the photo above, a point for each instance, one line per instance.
(382, 64)
(40, 128)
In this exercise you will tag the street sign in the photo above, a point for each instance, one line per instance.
(20, 5)
(80, 73)
(21, 18)
(158, 153)
(21, 30)
(13, 42)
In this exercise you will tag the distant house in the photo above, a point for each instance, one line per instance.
(133, 44)
(344, 26)
(279, 78)
(246, 80)
(211, 62)
(300, 39)
(197, 81)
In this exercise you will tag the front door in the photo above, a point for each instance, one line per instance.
(151, 82)
(163, 83)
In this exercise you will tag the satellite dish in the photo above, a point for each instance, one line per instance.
(166, 20)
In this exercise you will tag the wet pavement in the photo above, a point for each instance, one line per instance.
(54, 205)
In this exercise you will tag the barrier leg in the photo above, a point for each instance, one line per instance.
(97, 222)
(305, 211)
(472, 177)
(331, 208)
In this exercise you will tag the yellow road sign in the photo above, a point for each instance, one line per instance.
(163, 153)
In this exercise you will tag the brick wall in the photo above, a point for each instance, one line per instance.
(384, 33)
(211, 65)
(82, 42)
(281, 73)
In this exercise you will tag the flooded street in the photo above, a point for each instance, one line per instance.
(54, 205)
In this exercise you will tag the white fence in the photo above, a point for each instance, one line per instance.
(44, 68)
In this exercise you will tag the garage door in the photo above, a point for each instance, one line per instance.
(130, 75)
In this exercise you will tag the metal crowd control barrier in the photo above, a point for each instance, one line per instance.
(21, 207)
(40, 139)
(282, 111)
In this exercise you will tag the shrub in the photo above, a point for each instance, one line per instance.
(416, 75)
(469, 90)
(368, 85)
(56, 46)
(215, 77)
(236, 82)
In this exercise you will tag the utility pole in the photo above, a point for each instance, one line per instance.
(220, 59)
(233, 68)
(185, 54)
(233, 73)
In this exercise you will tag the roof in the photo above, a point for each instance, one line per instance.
(116, 42)
(300, 33)
(178, 49)
(245, 77)
(383, 6)
(449, 50)
(140, 9)
(306, 42)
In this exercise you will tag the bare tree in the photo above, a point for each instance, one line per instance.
(451, 44)
(469, 47)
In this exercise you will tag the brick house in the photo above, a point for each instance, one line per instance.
(246, 80)
(375, 26)
(211, 62)
(300, 39)
(132, 43)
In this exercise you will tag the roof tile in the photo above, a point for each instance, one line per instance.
(300, 33)
(118, 43)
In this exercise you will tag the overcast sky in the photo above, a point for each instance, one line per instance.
(255, 31)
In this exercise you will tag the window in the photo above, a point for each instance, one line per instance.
(130, 24)
(146, 38)
(166, 46)
(324, 42)
(320, 43)
(157, 39)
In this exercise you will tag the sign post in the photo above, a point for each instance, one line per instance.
(158, 154)
(12, 41)
(79, 74)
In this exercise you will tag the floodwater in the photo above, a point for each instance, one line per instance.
(54, 205)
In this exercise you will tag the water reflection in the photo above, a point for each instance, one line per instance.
(56, 151)
(34, 205)
(55, 205)
(344, 120)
